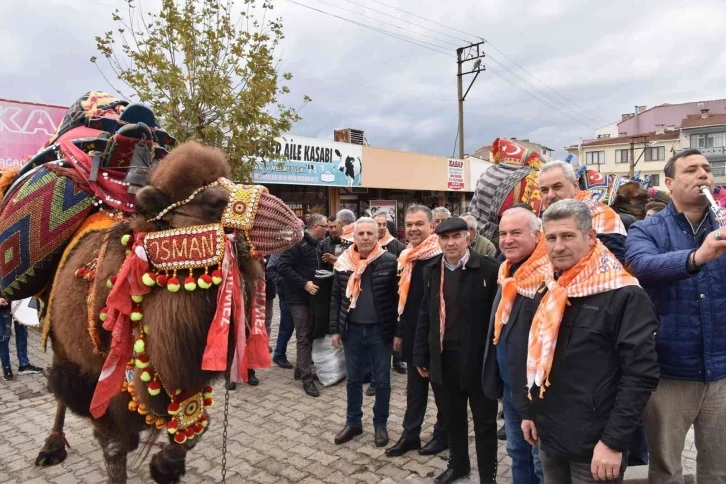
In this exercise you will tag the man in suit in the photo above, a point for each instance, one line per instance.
(460, 286)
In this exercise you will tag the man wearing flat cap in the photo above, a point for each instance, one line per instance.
(459, 290)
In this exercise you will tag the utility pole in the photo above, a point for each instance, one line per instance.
(470, 53)
(633, 141)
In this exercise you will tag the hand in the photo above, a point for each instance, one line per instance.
(606, 463)
(530, 432)
(712, 248)
(3, 302)
(336, 341)
(397, 343)
(423, 371)
(311, 288)
(329, 258)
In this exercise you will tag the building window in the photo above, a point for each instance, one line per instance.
(595, 157)
(718, 168)
(655, 180)
(656, 153)
(700, 141)
(622, 156)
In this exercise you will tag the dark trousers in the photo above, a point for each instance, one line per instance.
(287, 327)
(363, 343)
(561, 471)
(484, 413)
(417, 397)
(304, 335)
(21, 346)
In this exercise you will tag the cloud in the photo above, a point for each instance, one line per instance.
(606, 57)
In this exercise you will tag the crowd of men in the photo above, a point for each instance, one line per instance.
(602, 342)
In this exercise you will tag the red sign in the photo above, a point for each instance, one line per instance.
(24, 129)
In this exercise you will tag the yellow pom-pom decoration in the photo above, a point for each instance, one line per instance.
(125, 239)
(148, 279)
(103, 314)
(136, 315)
(133, 406)
(205, 281)
(190, 284)
(147, 329)
(173, 284)
(139, 346)
(137, 299)
(160, 423)
(142, 409)
(145, 376)
(142, 363)
(150, 419)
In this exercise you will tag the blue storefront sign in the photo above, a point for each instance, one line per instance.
(308, 161)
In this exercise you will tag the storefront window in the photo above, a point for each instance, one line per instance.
(304, 200)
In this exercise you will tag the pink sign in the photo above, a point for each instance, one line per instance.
(24, 129)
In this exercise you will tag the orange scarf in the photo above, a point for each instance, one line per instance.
(424, 251)
(347, 234)
(604, 219)
(386, 240)
(598, 272)
(525, 281)
(350, 260)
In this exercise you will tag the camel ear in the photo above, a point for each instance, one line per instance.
(151, 200)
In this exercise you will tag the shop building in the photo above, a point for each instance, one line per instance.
(320, 176)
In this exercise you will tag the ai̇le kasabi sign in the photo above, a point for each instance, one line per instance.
(24, 129)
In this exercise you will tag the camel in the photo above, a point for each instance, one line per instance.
(186, 190)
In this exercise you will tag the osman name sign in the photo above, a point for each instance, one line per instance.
(308, 161)
(24, 129)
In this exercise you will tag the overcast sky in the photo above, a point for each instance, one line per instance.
(605, 56)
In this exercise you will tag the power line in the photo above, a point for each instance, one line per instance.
(389, 23)
(408, 21)
(591, 115)
(420, 43)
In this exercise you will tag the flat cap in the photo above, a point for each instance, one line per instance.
(451, 225)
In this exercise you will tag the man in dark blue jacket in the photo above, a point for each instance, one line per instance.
(677, 255)
(21, 344)
(297, 268)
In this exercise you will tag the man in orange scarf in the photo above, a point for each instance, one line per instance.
(520, 276)
(591, 360)
(557, 181)
(459, 290)
(363, 321)
(423, 246)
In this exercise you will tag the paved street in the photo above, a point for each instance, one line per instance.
(276, 435)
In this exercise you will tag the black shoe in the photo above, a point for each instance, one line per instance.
(400, 367)
(347, 434)
(282, 362)
(252, 379)
(403, 446)
(296, 374)
(8, 374)
(451, 475)
(502, 433)
(29, 370)
(310, 389)
(371, 391)
(231, 385)
(435, 446)
(381, 437)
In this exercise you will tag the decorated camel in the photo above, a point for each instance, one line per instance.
(146, 309)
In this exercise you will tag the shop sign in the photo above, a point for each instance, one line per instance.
(455, 174)
(307, 161)
(24, 129)
(387, 207)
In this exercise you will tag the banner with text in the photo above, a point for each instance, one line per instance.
(308, 161)
(456, 174)
(24, 129)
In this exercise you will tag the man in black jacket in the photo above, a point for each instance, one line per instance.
(450, 341)
(332, 246)
(363, 315)
(520, 276)
(591, 362)
(297, 268)
(385, 238)
(424, 246)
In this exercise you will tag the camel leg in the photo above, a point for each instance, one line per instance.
(54, 449)
(169, 464)
(115, 451)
